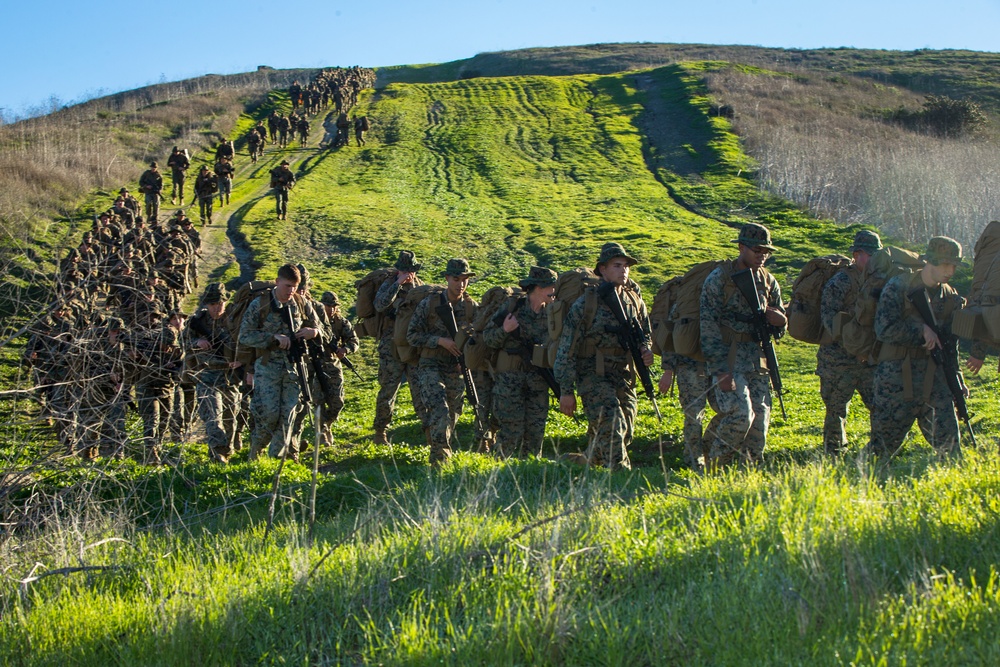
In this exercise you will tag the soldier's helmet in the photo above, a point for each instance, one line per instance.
(943, 250)
(753, 235)
(214, 293)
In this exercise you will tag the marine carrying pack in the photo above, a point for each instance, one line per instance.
(980, 320)
(675, 318)
(404, 313)
(804, 321)
(243, 297)
(855, 328)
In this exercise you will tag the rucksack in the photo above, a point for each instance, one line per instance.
(478, 355)
(570, 286)
(370, 321)
(675, 319)
(404, 313)
(804, 321)
(244, 296)
(855, 329)
(365, 125)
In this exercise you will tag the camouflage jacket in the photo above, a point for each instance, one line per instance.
(387, 300)
(178, 163)
(426, 326)
(532, 329)
(340, 334)
(210, 366)
(725, 321)
(156, 354)
(897, 323)
(593, 348)
(264, 318)
(839, 295)
(151, 182)
(282, 179)
(206, 184)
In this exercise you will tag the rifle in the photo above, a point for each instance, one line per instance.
(447, 315)
(760, 330)
(524, 350)
(349, 365)
(631, 337)
(945, 357)
(296, 353)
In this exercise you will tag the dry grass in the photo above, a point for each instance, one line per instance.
(821, 141)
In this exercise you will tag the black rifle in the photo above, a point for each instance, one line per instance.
(315, 350)
(349, 365)
(297, 353)
(524, 350)
(944, 357)
(631, 336)
(447, 315)
(761, 332)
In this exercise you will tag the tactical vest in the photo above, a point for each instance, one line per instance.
(590, 343)
(434, 322)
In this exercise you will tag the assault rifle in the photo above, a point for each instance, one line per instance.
(631, 337)
(944, 357)
(760, 330)
(349, 365)
(447, 315)
(297, 353)
(524, 350)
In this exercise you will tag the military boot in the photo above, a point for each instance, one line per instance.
(380, 438)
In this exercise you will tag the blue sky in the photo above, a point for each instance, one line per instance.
(72, 50)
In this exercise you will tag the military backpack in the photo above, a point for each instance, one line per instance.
(370, 322)
(244, 296)
(570, 286)
(675, 319)
(804, 321)
(980, 320)
(404, 313)
(478, 355)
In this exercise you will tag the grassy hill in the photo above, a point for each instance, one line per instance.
(805, 561)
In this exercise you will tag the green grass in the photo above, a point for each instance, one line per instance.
(805, 561)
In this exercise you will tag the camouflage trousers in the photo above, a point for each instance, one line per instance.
(893, 413)
(837, 387)
(156, 403)
(443, 392)
(694, 390)
(332, 402)
(521, 407)
(225, 189)
(391, 372)
(610, 404)
(185, 397)
(744, 417)
(152, 207)
(217, 405)
(281, 201)
(485, 429)
(205, 208)
(102, 421)
(274, 406)
(178, 177)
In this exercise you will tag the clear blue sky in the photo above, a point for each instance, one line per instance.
(71, 49)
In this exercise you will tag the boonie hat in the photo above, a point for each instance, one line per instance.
(753, 235)
(458, 266)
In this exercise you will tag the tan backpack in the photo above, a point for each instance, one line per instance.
(369, 323)
(980, 320)
(855, 329)
(675, 318)
(804, 321)
(478, 355)
(404, 313)
(570, 286)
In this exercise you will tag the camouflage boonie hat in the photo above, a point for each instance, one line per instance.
(303, 275)
(407, 262)
(115, 324)
(214, 293)
(88, 237)
(123, 191)
(329, 299)
(153, 164)
(539, 276)
(611, 250)
(866, 241)
(753, 235)
(458, 266)
(284, 163)
(943, 250)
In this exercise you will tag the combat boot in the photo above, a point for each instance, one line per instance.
(380, 438)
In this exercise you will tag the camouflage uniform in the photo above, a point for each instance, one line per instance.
(217, 392)
(440, 381)
(391, 371)
(158, 358)
(590, 360)
(105, 393)
(694, 390)
(178, 163)
(150, 184)
(341, 334)
(275, 401)
(282, 180)
(520, 395)
(205, 187)
(840, 373)
(225, 171)
(745, 413)
(908, 385)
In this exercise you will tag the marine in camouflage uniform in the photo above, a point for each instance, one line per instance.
(150, 184)
(282, 180)
(47, 350)
(276, 390)
(179, 164)
(520, 395)
(440, 381)
(908, 385)
(342, 340)
(391, 371)
(157, 355)
(592, 361)
(840, 373)
(205, 187)
(740, 380)
(211, 350)
(104, 392)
